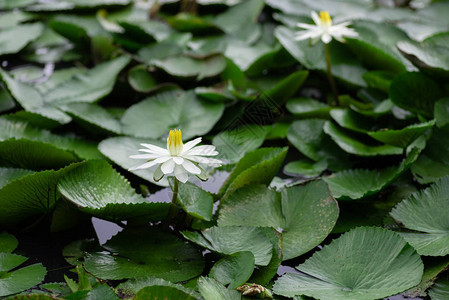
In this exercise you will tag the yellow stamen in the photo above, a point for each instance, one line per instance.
(174, 142)
(325, 18)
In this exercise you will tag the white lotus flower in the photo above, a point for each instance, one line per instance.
(180, 159)
(324, 29)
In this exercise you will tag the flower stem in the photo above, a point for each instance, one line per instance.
(174, 204)
(329, 74)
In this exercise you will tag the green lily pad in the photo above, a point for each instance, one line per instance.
(22, 130)
(186, 66)
(434, 161)
(304, 215)
(212, 289)
(359, 183)
(232, 145)
(133, 286)
(31, 100)
(409, 89)
(425, 212)
(376, 45)
(352, 120)
(433, 267)
(401, 137)
(195, 201)
(29, 195)
(9, 174)
(90, 86)
(234, 269)
(172, 109)
(232, 239)
(441, 112)
(119, 149)
(156, 292)
(429, 55)
(354, 146)
(364, 263)
(258, 166)
(308, 108)
(93, 117)
(15, 38)
(8, 243)
(310, 139)
(305, 167)
(35, 155)
(140, 79)
(13, 282)
(145, 252)
(96, 188)
(241, 20)
(440, 290)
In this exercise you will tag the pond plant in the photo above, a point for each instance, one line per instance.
(281, 186)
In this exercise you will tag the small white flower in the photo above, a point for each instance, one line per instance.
(324, 29)
(180, 159)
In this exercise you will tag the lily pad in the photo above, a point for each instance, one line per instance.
(15, 38)
(234, 269)
(429, 55)
(310, 139)
(195, 201)
(425, 212)
(440, 290)
(186, 66)
(232, 239)
(409, 89)
(96, 188)
(9, 174)
(232, 145)
(359, 183)
(31, 100)
(8, 243)
(258, 166)
(172, 109)
(145, 252)
(364, 263)
(354, 146)
(133, 286)
(156, 292)
(29, 195)
(308, 108)
(93, 117)
(293, 212)
(90, 86)
(401, 137)
(212, 289)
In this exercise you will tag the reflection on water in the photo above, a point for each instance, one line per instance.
(105, 229)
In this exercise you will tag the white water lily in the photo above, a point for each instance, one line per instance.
(179, 159)
(324, 29)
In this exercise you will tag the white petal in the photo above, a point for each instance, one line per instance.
(181, 174)
(168, 166)
(145, 156)
(306, 34)
(162, 159)
(158, 174)
(206, 150)
(190, 167)
(315, 18)
(204, 160)
(144, 166)
(190, 145)
(155, 149)
(178, 160)
(326, 38)
(306, 26)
